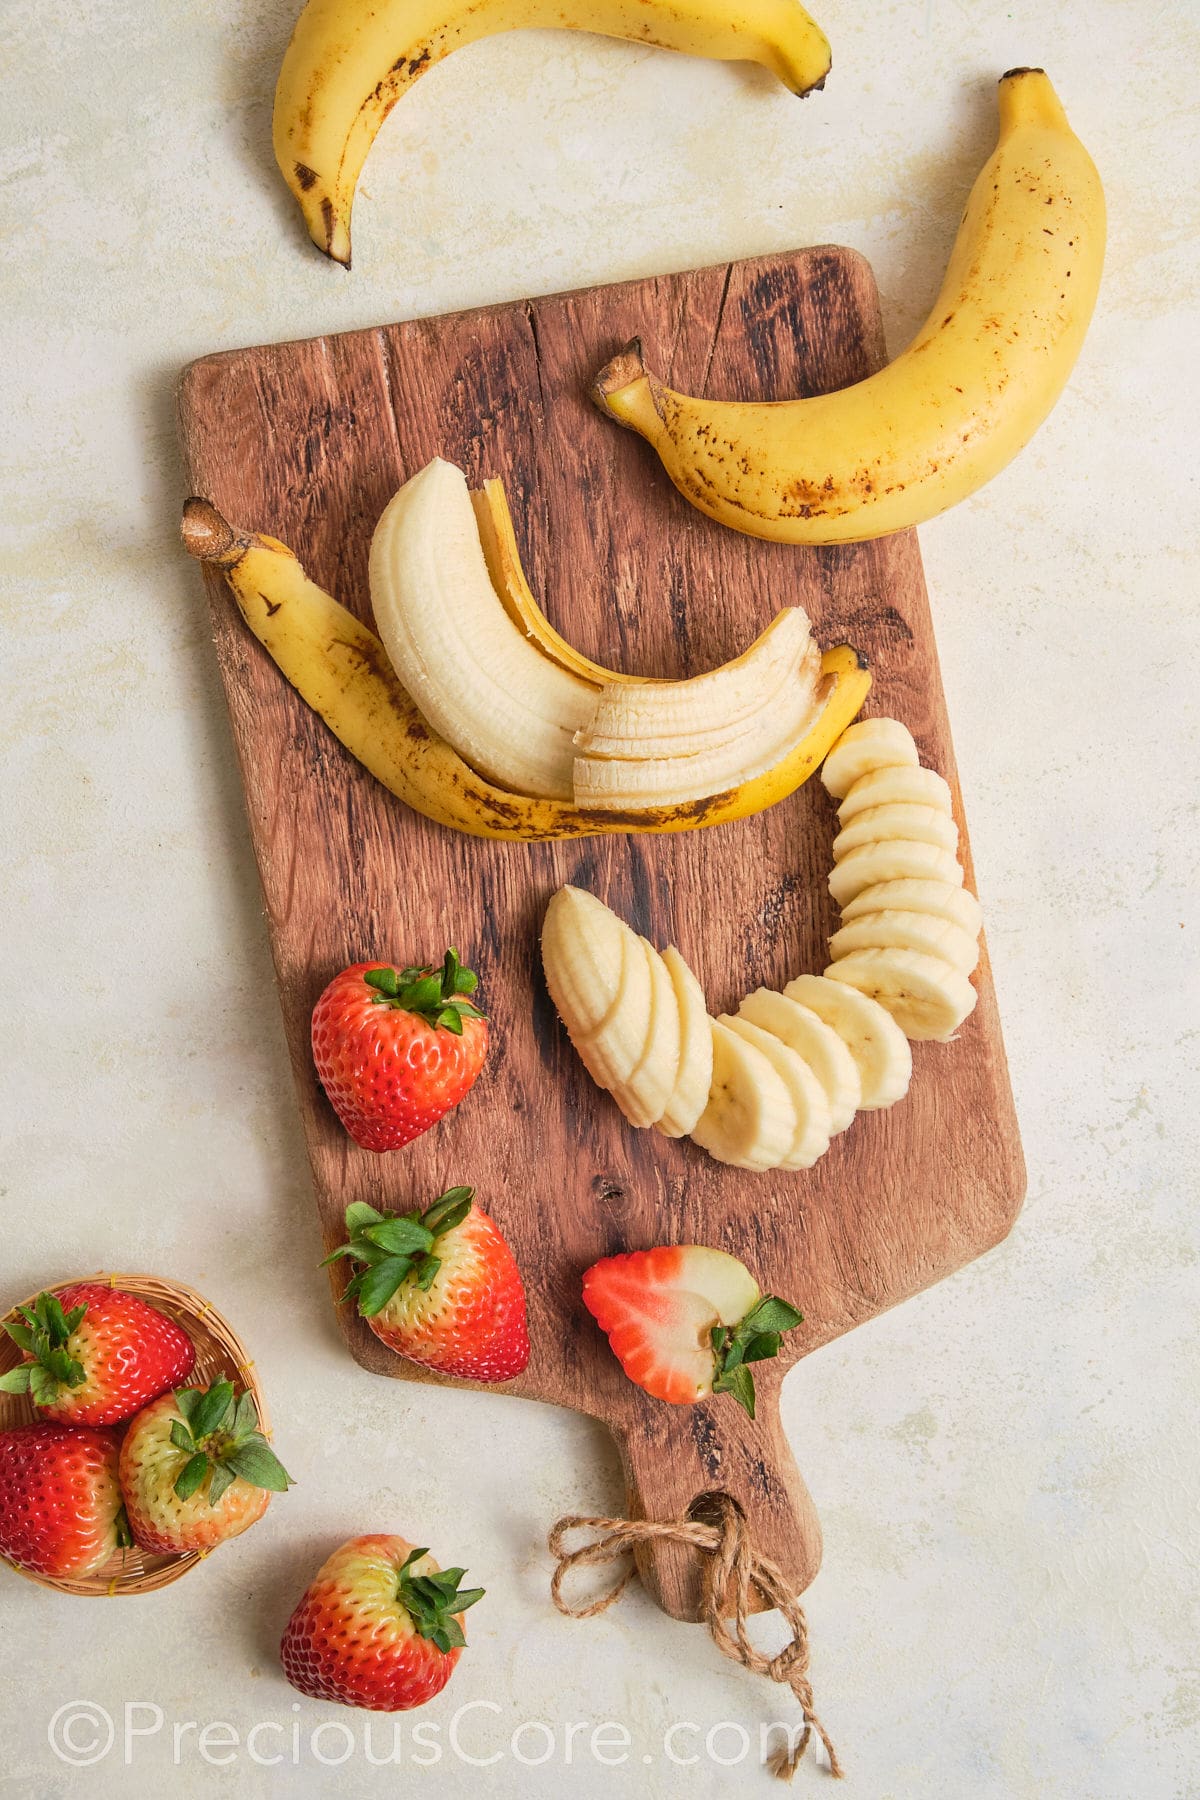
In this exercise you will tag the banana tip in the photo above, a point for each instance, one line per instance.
(206, 534)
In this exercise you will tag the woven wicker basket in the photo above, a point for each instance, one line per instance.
(219, 1352)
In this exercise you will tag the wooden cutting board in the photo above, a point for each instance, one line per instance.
(308, 441)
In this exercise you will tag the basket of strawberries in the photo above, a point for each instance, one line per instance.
(133, 1435)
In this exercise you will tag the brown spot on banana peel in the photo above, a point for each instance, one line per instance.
(306, 177)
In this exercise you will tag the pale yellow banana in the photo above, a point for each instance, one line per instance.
(349, 61)
(950, 411)
(338, 665)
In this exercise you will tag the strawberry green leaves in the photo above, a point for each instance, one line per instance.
(221, 1439)
(754, 1339)
(431, 1602)
(43, 1333)
(394, 1247)
(436, 994)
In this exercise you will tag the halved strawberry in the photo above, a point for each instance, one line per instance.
(94, 1354)
(441, 1287)
(684, 1321)
(380, 1626)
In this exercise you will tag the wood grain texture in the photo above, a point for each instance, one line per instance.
(308, 441)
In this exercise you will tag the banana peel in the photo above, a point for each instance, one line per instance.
(339, 667)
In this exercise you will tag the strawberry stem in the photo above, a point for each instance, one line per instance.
(436, 995)
(431, 1602)
(222, 1442)
(755, 1338)
(394, 1246)
(42, 1335)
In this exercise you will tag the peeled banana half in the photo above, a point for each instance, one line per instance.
(349, 62)
(471, 717)
(949, 412)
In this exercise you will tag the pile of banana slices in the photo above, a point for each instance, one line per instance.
(770, 1087)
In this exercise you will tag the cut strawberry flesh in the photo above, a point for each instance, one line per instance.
(659, 1307)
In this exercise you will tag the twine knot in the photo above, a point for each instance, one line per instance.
(730, 1567)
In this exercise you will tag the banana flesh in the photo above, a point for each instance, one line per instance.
(873, 1038)
(866, 748)
(924, 824)
(348, 63)
(701, 768)
(750, 1120)
(508, 710)
(822, 1049)
(949, 412)
(666, 718)
(643, 1043)
(810, 1139)
(693, 1078)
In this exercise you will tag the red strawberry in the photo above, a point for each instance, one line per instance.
(684, 1321)
(397, 1048)
(60, 1500)
(380, 1627)
(93, 1354)
(442, 1287)
(196, 1469)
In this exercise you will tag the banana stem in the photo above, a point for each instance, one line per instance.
(624, 390)
(208, 535)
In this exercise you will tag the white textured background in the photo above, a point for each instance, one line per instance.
(1007, 1467)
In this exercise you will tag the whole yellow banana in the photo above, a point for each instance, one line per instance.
(349, 61)
(969, 392)
(338, 665)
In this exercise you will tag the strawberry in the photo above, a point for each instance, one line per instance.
(93, 1354)
(380, 1627)
(195, 1469)
(60, 1500)
(685, 1321)
(397, 1048)
(442, 1287)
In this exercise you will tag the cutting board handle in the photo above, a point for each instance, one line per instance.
(678, 1454)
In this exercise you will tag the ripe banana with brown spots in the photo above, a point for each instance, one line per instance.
(969, 392)
(349, 62)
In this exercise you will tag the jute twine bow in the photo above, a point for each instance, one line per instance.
(729, 1564)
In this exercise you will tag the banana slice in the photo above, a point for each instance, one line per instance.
(873, 1038)
(870, 744)
(749, 1121)
(903, 786)
(693, 1080)
(822, 1049)
(644, 1097)
(582, 954)
(600, 980)
(878, 824)
(925, 996)
(943, 899)
(907, 931)
(807, 1094)
(612, 1052)
(895, 859)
